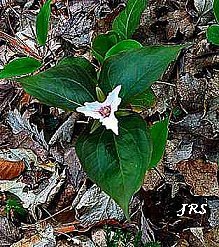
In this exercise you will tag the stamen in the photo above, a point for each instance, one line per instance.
(105, 111)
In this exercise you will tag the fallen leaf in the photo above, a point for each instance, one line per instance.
(25, 100)
(65, 228)
(75, 171)
(198, 233)
(99, 237)
(203, 6)
(146, 230)
(95, 205)
(65, 131)
(19, 154)
(212, 237)
(153, 178)
(7, 94)
(44, 238)
(9, 233)
(30, 198)
(20, 124)
(63, 243)
(186, 27)
(5, 134)
(214, 212)
(82, 241)
(177, 150)
(201, 176)
(11, 169)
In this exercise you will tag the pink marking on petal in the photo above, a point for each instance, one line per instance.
(105, 111)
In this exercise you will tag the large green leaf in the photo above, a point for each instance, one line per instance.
(213, 34)
(144, 100)
(136, 70)
(216, 9)
(159, 133)
(124, 45)
(42, 23)
(102, 43)
(117, 163)
(82, 63)
(128, 20)
(66, 86)
(20, 66)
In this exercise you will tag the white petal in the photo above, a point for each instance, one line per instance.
(91, 109)
(111, 123)
(113, 99)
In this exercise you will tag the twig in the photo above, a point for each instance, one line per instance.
(17, 44)
(166, 83)
(51, 216)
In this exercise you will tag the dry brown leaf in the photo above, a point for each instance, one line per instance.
(99, 237)
(66, 228)
(153, 178)
(95, 206)
(5, 134)
(212, 237)
(44, 238)
(213, 205)
(27, 242)
(201, 176)
(9, 233)
(25, 100)
(186, 27)
(11, 169)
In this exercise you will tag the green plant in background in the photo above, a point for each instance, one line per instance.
(25, 65)
(14, 205)
(213, 30)
(118, 151)
(119, 237)
(42, 23)
(152, 244)
(19, 67)
(123, 28)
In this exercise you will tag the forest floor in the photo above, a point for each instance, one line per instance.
(46, 198)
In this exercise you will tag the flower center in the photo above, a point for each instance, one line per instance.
(105, 111)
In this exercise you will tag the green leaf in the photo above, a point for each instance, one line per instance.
(81, 62)
(15, 204)
(144, 100)
(20, 66)
(102, 43)
(216, 9)
(66, 86)
(213, 34)
(128, 20)
(117, 163)
(42, 23)
(123, 45)
(159, 133)
(136, 70)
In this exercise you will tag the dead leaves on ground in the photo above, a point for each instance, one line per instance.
(201, 176)
(43, 238)
(9, 233)
(11, 169)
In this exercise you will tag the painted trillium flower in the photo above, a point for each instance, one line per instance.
(104, 111)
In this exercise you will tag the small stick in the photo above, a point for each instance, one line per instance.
(19, 45)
